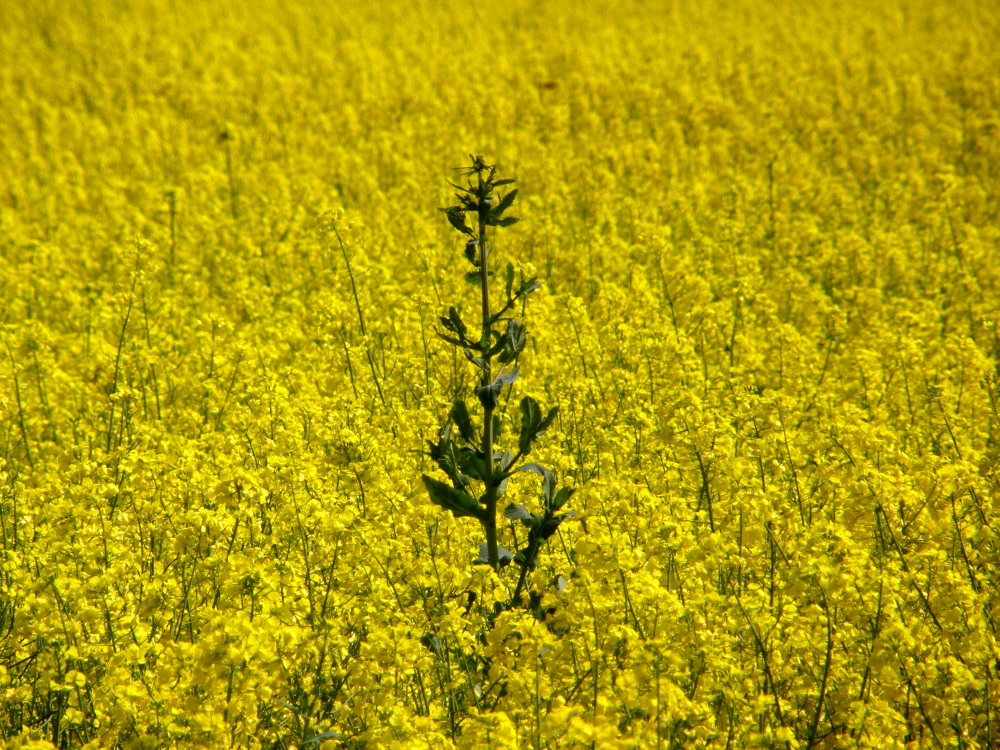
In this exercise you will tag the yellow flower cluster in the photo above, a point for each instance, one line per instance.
(770, 244)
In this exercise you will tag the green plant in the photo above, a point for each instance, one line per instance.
(468, 452)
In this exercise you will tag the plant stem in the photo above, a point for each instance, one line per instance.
(20, 410)
(529, 562)
(490, 524)
(361, 316)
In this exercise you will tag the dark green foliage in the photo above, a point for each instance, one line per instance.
(488, 394)
(467, 454)
(460, 416)
(505, 555)
(532, 423)
(457, 219)
(460, 504)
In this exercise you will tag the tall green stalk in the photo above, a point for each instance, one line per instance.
(467, 455)
(490, 525)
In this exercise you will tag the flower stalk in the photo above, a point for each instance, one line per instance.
(469, 456)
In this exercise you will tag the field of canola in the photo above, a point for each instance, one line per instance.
(769, 239)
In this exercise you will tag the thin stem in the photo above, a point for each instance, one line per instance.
(172, 196)
(233, 201)
(490, 524)
(529, 561)
(361, 316)
(20, 408)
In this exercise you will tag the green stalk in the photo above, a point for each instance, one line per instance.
(490, 524)
(457, 461)
(529, 562)
(361, 317)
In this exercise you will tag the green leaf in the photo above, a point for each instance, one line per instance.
(549, 418)
(500, 343)
(460, 416)
(531, 417)
(434, 644)
(514, 342)
(444, 455)
(551, 524)
(506, 202)
(561, 498)
(474, 277)
(493, 219)
(527, 287)
(505, 181)
(471, 463)
(504, 459)
(548, 481)
(509, 273)
(472, 252)
(451, 340)
(505, 556)
(518, 513)
(507, 378)
(456, 217)
(477, 361)
(532, 423)
(460, 504)
(488, 394)
(456, 322)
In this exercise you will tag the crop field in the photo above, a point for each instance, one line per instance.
(766, 349)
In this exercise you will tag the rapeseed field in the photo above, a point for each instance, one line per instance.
(768, 241)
